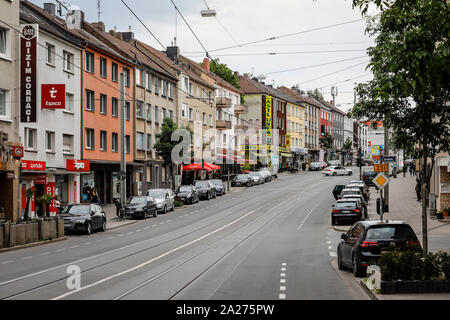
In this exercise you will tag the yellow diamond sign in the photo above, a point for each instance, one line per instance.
(381, 180)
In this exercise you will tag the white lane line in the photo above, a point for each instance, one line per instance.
(167, 220)
(161, 223)
(282, 296)
(282, 288)
(333, 254)
(301, 224)
(7, 262)
(282, 280)
(28, 258)
(330, 247)
(73, 247)
(283, 275)
(329, 242)
(138, 230)
(283, 269)
(59, 250)
(284, 264)
(87, 243)
(44, 253)
(146, 228)
(153, 259)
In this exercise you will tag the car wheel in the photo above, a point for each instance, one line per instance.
(103, 225)
(145, 214)
(165, 209)
(350, 173)
(357, 272)
(339, 261)
(334, 174)
(88, 228)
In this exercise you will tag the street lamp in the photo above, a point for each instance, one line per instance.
(208, 12)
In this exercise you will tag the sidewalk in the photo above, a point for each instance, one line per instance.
(112, 221)
(403, 205)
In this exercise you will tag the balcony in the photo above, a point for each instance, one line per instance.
(240, 127)
(240, 109)
(223, 125)
(223, 102)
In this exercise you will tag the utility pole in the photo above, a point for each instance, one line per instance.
(123, 166)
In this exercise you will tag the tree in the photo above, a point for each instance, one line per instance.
(348, 145)
(410, 90)
(327, 141)
(164, 144)
(316, 93)
(222, 70)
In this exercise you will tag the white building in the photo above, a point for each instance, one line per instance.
(55, 136)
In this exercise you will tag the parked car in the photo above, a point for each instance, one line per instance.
(84, 218)
(220, 187)
(315, 166)
(353, 191)
(346, 210)
(206, 189)
(323, 165)
(187, 194)
(164, 199)
(140, 207)
(334, 163)
(243, 180)
(362, 186)
(362, 245)
(257, 177)
(338, 190)
(266, 174)
(361, 200)
(368, 177)
(337, 171)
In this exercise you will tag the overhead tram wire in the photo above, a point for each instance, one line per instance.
(277, 53)
(144, 25)
(337, 71)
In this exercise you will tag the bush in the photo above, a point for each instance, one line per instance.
(178, 203)
(444, 262)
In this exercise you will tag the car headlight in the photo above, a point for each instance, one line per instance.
(79, 221)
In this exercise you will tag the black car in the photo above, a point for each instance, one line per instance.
(352, 191)
(362, 245)
(84, 218)
(140, 207)
(360, 199)
(337, 190)
(363, 187)
(220, 187)
(243, 180)
(187, 194)
(346, 210)
(368, 177)
(206, 189)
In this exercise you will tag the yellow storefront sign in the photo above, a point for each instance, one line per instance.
(287, 140)
(269, 116)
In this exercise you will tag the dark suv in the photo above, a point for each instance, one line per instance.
(362, 245)
(368, 178)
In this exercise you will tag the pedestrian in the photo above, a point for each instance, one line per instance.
(405, 168)
(419, 189)
(94, 196)
(414, 168)
(410, 171)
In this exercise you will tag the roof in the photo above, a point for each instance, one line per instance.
(252, 86)
(298, 97)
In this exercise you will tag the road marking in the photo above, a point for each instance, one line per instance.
(283, 269)
(151, 260)
(282, 296)
(43, 254)
(161, 223)
(167, 220)
(282, 288)
(283, 275)
(138, 230)
(282, 280)
(330, 247)
(146, 228)
(59, 250)
(73, 247)
(283, 264)
(329, 242)
(304, 220)
(100, 240)
(87, 243)
(28, 258)
(7, 262)
(153, 225)
(131, 232)
(333, 254)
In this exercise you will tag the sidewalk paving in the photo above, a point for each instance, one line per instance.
(112, 221)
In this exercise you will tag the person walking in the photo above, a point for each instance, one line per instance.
(94, 196)
(414, 168)
(419, 189)
(405, 168)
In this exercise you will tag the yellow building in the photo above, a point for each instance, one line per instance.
(295, 125)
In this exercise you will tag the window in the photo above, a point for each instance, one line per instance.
(115, 107)
(164, 113)
(190, 88)
(103, 104)
(185, 84)
(67, 144)
(170, 90)
(184, 110)
(90, 139)
(89, 62)
(115, 142)
(49, 141)
(103, 142)
(149, 112)
(204, 118)
(69, 102)
(197, 118)
(127, 111)
(103, 72)
(140, 141)
(115, 71)
(156, 85)
(140, 78)
(164, 88)
(127, 144)
(191, 115)
(210, 120)
(149, 174)
(68, 59)
(90, 100)
(149, 81)
(149, 142)
(140, 112)
(156, 115)
(4, 42)
(126, 73)
(50, 54)
(5, 112)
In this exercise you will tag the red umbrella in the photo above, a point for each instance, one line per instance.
(211, 166)
(196, 167)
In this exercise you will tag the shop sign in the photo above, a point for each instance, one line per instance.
(28, 53)
(78, 165)
(268, 104)
(53, 96)
(10, 175)
(41, 179)
(18, 152)
(33, 165)
(50, 188)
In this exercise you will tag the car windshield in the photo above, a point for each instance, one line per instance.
(76, 210)
(369, 173)
(202, 184)
(217, 182)
(344, 193)
(388, 232)
(136, 200)
(185, 189)
(254, 174)
(242, 177)
(345, 204)
(156, 194)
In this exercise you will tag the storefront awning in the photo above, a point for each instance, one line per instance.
(286, 155)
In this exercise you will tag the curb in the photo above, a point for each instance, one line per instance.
(34, 244)
(369, 292)
(122, 225)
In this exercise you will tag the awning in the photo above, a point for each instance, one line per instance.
(286, 155)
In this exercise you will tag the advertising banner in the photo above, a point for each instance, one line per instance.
(268, 104)
(33, 165)
(78, 165)
(53, 96)
(28, 57)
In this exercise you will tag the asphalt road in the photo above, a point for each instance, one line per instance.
(272, 241)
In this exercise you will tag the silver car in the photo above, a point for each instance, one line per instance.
(258, 177)
(164, 199)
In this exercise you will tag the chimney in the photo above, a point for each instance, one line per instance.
(173, 53)
(50, 8)
(206, 64)
(127, 36)
(99, 25)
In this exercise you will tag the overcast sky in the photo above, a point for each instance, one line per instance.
(240, 21)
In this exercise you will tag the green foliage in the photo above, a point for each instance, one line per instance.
(348, 145)
(178, 203)
(411, 66)
(444, 262)
(224, 72)
(316, 93)
(327, 141)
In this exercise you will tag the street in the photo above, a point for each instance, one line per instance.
(271, 241)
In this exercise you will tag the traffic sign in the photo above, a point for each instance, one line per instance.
(390, 158)
(381, 180)
(381, 167)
